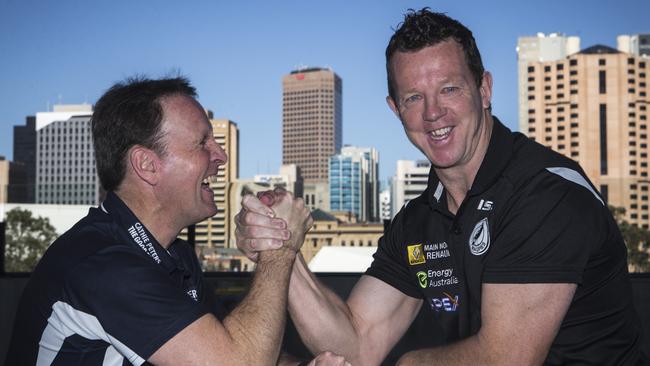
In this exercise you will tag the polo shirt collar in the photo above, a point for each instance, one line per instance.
(133, 232)
(496, 159)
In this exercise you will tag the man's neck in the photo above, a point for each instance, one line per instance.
(459, 180)
(152, 216)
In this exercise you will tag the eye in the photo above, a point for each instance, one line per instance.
(450, 89)
(412, 98)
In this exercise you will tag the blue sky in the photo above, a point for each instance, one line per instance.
(236, 53)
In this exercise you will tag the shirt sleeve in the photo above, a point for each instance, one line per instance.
(135, 301)
(389, 261)
(549, 230)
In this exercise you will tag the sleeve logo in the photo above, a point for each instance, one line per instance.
(479, 241)
(415, 254)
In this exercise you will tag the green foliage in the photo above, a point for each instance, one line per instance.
(637, 240)
(27, 237)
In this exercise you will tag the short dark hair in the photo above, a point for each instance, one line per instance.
(128, 114)
(424, 28)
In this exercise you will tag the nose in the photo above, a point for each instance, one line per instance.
(433, 110)
(218, 154)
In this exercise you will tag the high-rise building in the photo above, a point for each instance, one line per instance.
(539, 48)
(65, 157)
(22, 172)
(311, 121)
(636, 44)
(4, 179)
(410, 181)
(214, 231)
(592, 106)
(354, 182)
(385, 208)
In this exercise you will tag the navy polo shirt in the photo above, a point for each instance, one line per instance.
(106, 292)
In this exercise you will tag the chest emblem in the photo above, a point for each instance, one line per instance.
(479, 241)
(416, 254)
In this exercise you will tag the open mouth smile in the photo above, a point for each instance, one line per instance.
(440, 133)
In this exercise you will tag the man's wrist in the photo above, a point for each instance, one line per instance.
(283, 254)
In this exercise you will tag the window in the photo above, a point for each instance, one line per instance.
(601, 62)
(573, 62)
(602, 85)
(531, 68)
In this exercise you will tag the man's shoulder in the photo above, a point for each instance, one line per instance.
(531, 160)
(93, 231)
(92, 234)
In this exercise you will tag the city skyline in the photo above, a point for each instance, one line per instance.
(70, 52)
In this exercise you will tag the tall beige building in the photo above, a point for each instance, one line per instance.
(4, 179)
(592, 106)
(214, 232)
(311, 121)
(543, 48)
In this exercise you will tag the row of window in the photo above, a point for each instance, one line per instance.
(574, 62)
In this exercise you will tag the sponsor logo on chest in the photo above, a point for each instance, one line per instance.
(479, 240)
(421, 253)
(436, 278)
(446, 302)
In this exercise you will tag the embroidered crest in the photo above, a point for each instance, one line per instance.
(479, 241)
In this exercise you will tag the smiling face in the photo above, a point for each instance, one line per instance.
(192, 157)
(442, 110)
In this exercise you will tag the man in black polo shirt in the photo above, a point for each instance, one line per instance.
(119, 288)
(510, 246)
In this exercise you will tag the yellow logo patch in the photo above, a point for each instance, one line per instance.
(416, 254)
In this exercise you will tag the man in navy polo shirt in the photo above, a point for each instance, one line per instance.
(510, 247)
(119, 287)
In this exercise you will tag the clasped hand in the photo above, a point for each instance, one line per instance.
(271, 220)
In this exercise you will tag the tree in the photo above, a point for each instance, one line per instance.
(636, 239)
(27, 237)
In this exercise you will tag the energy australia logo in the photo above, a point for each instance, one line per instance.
(423, 279)
(479, 241)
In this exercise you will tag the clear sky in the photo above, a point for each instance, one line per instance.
(236, 52)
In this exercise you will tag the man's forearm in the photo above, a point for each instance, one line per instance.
(465, 352)
(321, 317)
(257, 324)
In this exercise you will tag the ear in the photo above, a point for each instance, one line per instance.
(145, 164)
(486, 89)
(393, 106)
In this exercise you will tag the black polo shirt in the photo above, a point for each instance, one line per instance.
(106, 293)
(531, 216)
